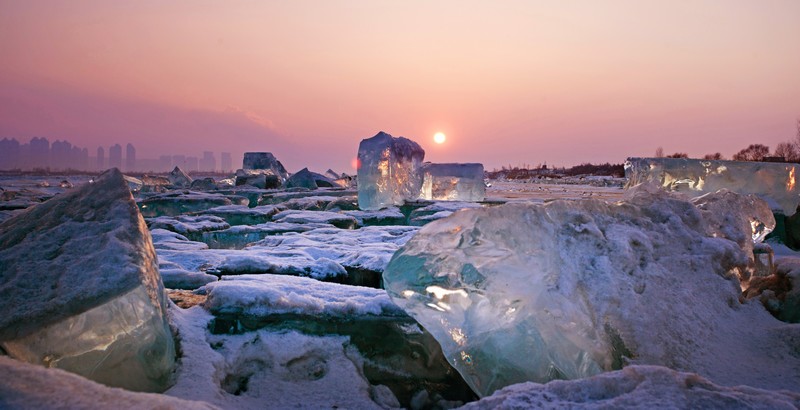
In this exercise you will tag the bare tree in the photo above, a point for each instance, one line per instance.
(754, 152)
(788, 151)
(660, 151)
(678, 155)
(714, 156)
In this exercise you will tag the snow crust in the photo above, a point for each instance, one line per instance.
(268, 369)
(265, 295)
(242, 214)
(188, 225)
(636, 387)
(26, 386)
(181, 202)
(318, 217)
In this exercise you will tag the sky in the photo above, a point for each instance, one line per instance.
(510, 83)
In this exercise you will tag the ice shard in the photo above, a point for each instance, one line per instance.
(178, 178)
(568, 289)
(388, 171)
(775, 182)
(453, 182)
(264, 160)
(80, 288)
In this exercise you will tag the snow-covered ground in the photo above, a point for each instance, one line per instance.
(284, 308)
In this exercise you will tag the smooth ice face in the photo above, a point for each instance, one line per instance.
(453, 182)
(80, 288)
(565, 290)
(775, 182)
(122, 343)
(388, 171)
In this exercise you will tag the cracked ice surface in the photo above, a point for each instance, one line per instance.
(775, 182)
(388, 171)
(570, 289)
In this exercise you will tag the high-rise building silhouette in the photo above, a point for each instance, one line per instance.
(191, 164)
(10, 154)
(130, 157)
(165, 163)
(115, 156)
(39, 153)
(60, 155)
(208, 163)
(226, 162)
(101, 159)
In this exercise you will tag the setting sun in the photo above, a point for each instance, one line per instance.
(439, 138)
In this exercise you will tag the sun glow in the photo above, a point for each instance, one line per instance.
(439, 138)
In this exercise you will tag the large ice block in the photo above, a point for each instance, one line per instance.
(568, 289)
(388, 171)
(264, 160)
(775, 182)
(80, 288)
(453, 182)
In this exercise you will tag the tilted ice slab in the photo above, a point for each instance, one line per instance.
(368, 248)
(244, 215)
(570, 289)
(317, 217)
(188, 225)
(636, 387)
(452, 182)
(237, 237)
(775, 182)
(388, 171)
(266, 295)
(80, 289)
(181, 202)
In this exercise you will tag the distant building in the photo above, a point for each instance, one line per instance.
(208, 163)
(227, 162)
(115, 156)
(101, 159)
(60, 153)
(191, 164)
(39, 153)
(130, 157)
(9, 154)
(165, 163)
(179, 161)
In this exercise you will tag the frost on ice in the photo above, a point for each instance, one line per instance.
(388, 171)
(569, 289)
(80, 288)
(775, 182)
(452, 182)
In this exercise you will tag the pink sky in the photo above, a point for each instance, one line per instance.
(513, 82)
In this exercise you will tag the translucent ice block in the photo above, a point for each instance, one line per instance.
(453, 182)
(568, 289)
(775, 182)
(388, 171)
(125, 342)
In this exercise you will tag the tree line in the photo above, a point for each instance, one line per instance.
(787, 151)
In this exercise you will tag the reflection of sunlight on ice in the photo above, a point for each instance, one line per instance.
(440, 292)
(790, 182)
(458, 336)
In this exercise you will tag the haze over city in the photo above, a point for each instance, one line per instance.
(519, 82)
